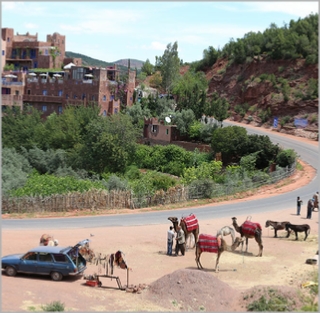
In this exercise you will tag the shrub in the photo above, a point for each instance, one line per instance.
(116, 183)
(203, 187)
(55, 306)
(286, 157)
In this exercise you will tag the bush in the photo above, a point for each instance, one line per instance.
(286, 158)
(116, 183)
(55, 306)
(201, 187)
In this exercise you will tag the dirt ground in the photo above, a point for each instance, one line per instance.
(172, 283)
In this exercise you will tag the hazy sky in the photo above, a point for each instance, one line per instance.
(113, 30)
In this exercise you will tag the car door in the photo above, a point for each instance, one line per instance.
(45, 263)
(29, 263)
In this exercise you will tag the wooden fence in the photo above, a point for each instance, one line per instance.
(103, 199)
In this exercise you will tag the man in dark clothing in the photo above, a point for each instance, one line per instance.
(181, 241)
(309, 208)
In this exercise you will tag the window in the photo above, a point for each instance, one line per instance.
(111, 97)
(60, 93)
(104, 98)
(75, 97)
(167, 131)
(154, 128)
(59, 109)
(44, 108)
(46, 52)
(104, 113)
(93, 98)
(83, 96)
(29, 92)
(44, 92)
(17, 92)
(45, 257)
(67, 96)
(60, 258)
(115, 110)
(2, 52)
(8, 39)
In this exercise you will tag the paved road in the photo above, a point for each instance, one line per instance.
(307, 152)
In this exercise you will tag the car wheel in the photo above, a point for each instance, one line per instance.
(11, 271)
(56, 276)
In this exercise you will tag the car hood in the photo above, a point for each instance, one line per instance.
(16, 256)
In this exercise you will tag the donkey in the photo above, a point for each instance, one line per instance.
(277, 226)
(298, 229)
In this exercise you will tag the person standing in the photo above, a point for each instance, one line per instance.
(299, 202)
(170, 240)
(316, 201)
(309, 208)
(181, 241)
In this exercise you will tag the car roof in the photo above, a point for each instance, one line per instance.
(50, 249)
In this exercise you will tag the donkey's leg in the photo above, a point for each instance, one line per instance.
(296, 235)
(306, 232)
(275, 233)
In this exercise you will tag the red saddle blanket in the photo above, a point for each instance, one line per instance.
(191, 222)
(208, 243)
(249, 228)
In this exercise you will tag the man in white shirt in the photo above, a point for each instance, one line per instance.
(170, 240)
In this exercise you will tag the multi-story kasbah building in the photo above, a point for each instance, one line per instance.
(52, 90)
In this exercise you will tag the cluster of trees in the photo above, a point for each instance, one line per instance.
(81, 149)
(299, 39)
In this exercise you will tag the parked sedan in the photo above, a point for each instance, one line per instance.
(45, 260)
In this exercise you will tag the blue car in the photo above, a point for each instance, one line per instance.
(45, 260)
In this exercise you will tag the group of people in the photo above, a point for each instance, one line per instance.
(180, 241)
(311, 205)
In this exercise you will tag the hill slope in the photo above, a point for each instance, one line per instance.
(88, 61)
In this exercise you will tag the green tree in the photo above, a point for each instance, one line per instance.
(147, 68)
(169, 65)
(217, 107)
(109, 144)
(231, 142)
(21, 128)
(184, 120)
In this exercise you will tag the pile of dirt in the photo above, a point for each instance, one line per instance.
(192, 290)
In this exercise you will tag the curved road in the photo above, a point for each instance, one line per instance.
(306, 151)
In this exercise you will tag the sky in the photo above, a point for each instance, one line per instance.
(114, 30)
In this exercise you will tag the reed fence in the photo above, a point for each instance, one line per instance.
(103, 199)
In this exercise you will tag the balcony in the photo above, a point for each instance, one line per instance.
(12, 100)
(41, 98)
(5, 83)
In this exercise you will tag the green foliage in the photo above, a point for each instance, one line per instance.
(46, 185)
(169, 65)
(194, 131)
(184, 120)
(218, 107)
(264, 115)
(241, 109)
(109, 145)
(147, 68)
(150, 182)
(230, 141)
(204, 186)
(116, 183)
(132, 172)
(286, 157)
(312, 89)
(21, 128)
(272, 301)
(137, 114)
(8, 67)
(190, 91)
(210, 170)
(15, 170)
(54, 306)
(210, 57)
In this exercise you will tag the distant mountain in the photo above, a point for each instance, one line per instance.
(133, 63)
(88, 61)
